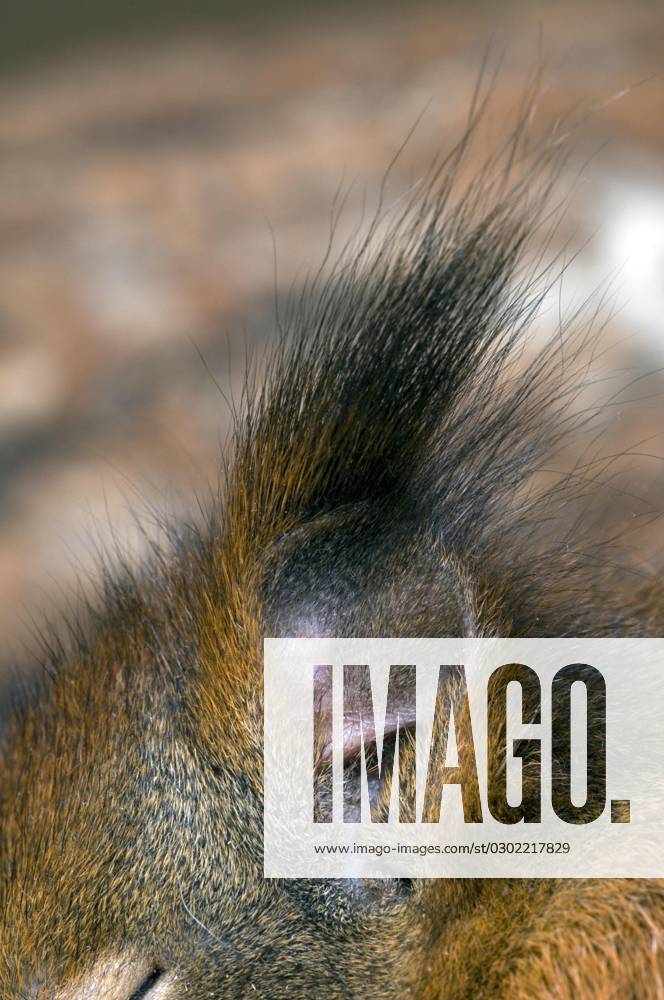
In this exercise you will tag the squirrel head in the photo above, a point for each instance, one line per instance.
(372, 493)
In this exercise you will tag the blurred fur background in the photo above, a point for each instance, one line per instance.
(166, 174)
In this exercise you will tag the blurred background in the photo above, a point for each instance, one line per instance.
(152, 156)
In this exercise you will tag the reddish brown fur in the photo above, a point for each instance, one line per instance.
(131, 784)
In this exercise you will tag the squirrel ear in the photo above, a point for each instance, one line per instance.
(363, 571)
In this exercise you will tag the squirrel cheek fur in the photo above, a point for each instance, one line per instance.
(377, 488)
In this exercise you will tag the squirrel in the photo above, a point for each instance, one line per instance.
(378, 487)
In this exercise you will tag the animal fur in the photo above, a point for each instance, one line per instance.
(379, 487)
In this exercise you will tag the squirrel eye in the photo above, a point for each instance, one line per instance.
(144, 990)
(121, 978)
